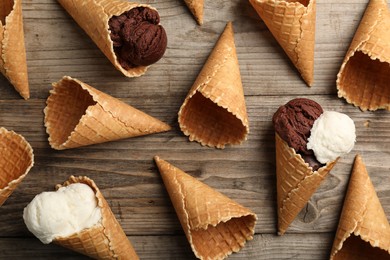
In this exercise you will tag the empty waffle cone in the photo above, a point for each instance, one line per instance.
(105, 240)
(292, 23)
(363, 231)
(214, 111)
(16, 160)
(295, 181)
(93, 16)
(364, 76)
(78, 115)
(215, 225)
(196, 8)
(13, 52)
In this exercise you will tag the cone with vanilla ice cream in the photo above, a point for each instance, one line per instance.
(215, 225)
(196, 8)
(364, 76)
(13, 63)
(77, 217)
(16, 160)
(292, 23)
(78, 115)
(129, 34)
(363, 231)
(308, 143)
(214, 111)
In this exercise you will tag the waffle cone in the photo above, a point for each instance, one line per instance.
(78, 114)
(93, 16)
(215, 225)
(296, 182)
(16, 160)
(196, 8)
(364, 76)
(214, 111)
(363, 231)
(292, 23)
(13, 52)
(105, 240)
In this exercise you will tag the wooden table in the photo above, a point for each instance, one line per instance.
(124, 170)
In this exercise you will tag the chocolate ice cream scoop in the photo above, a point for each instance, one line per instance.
(293, 122)
(138, 38)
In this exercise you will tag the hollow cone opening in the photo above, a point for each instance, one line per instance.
(210, 123)
(365, 82)
(16, 157)
(231, 236)
(68, 103)
(357, 249)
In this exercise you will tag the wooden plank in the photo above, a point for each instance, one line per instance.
(57, 46)
(292, 246)
(128, 177)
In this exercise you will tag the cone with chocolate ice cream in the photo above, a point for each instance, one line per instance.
(146, 39)
(296, 182)
(364, 76)
(16, 160)
(292, 23)
(105, 240)
(12, 49)
(78, 114)
(214, 111)
(196, 8)
(363, 231)
(309, 141)
(215, 225)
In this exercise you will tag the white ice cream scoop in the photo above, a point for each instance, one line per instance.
(332, 135)
(62, 213)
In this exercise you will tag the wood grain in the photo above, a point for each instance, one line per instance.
(302, 246)
(124, 170)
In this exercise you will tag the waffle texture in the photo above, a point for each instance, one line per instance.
(363, 231)
(16, 160)
(364, 76)
(214, 111)
(93, 16)
(215, 225)
(292, 23)
(196, 8)
(78, 114)
(105, 240)
(13, 63)
(295, 182)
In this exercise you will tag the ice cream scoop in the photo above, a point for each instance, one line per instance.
(332, 135)
(293, 122)
(137, 37)
(62, 213)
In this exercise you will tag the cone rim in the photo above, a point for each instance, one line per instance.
(30, 153)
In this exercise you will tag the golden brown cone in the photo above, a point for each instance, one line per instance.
(292, 23)
(196, 8)
(364, 76)
(93, 16)
(215, 225)
(363, 231)
(16, 160)
(78, 114)
(105, 240)
(214, 111)
(295, 182)
(13, 63)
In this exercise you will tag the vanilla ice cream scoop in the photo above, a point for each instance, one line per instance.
(62, 213)
(332, 135)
